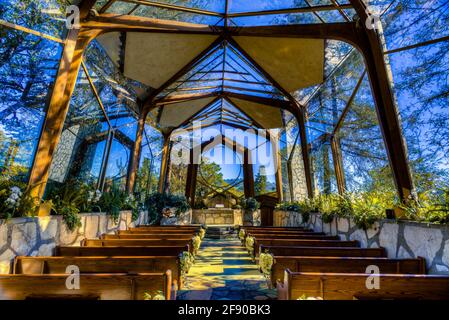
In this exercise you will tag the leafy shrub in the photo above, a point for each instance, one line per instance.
(250, 204)
(433, 206)
(112, 202)
(156, 202)
(67, 202)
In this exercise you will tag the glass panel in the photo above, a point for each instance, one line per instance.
(150, 161)
(323, 168)
(276, 19)
(421, 87)
(80, 151)
(413, 21)
(365, 161)
(28, 66)
(209, 5)
(117, 167)
(46, 16)
(166, 14)
(326, 106)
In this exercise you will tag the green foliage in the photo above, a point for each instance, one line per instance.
(158, 295)
(112, 202)
(266, 261)
(67, 202)
(186, 261)
(433, 206)
(365, 208)
(250, 204)
(260, 182)
(156, 202)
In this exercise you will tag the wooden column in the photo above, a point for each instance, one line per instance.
(338, 164)
(370, 45)
(305, 151)
(77, 40)
(248, 175)
(278, 167)
(164, 163)
(135, 155)
(192, 174)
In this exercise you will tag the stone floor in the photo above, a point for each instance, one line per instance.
(224, 271)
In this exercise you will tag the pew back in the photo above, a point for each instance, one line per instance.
(100, 286)
(58, 265)
(344, 265)
(138, 251)
(323, 251)
(341, 286)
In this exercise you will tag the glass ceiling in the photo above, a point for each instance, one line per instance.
(234, 12)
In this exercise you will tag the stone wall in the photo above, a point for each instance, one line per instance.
(217, 216)
(38, 236)
(401, 239)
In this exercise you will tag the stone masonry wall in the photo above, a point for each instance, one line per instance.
(38, 236)
(401, 239)
(217, 216)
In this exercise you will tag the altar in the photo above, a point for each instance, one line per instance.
(217, 216)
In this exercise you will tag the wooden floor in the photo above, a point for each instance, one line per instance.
(224, 271)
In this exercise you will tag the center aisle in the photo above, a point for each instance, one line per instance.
(224, 271)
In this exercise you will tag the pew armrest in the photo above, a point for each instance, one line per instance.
(282, 291)
(174, 290)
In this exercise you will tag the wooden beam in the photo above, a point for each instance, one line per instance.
(338, 164)
(135, 155)
(118, 22)
(278, 167)
(77, 40)
(164, 163)
(85, 6)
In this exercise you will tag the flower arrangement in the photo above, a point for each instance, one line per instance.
(202, 233)
(196, 242)
(249, 243)
(13, 201)
(186, 261)
(158, 295)
(305, 297)
(242, 234)
(266, 261)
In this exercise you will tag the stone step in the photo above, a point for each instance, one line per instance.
(221, 232)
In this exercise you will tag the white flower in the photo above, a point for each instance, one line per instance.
(16, 190)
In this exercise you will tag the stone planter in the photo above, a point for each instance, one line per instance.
(38, 236)
(251, 218)
(184, 218)
(401, 239)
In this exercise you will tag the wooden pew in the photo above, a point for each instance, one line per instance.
(103, 286)
(174, 236)
(294, 236)
(344, 265)
(165, 229)
(134, 243)
(346, 286)
(272, 228)
(302, 243)
(143, 231)
(138, 251)
(58, 265)
(322, 252)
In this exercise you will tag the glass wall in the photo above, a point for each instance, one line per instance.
(28, 67)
